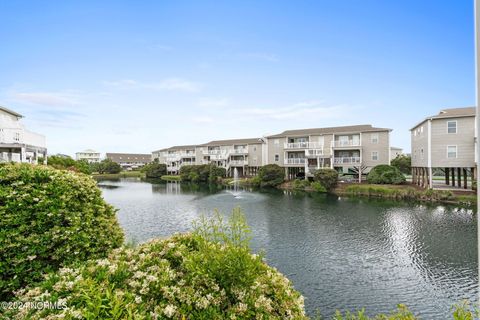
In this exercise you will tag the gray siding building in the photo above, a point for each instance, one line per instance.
(445, 142)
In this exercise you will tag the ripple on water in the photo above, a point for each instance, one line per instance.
(341, 254)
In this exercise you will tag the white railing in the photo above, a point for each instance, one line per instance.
(302, 145)
(239, 150)
(347, 160)
(238, 162)
(187, 154)
(346, 143)
(172, 157)
(314, 152)
(294, 161)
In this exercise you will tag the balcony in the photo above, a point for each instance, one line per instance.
(238, 162)
(347, 160)
(346, 143)
(302, 145)
(240, 150)
(295, 161)
(314, 153)
(187, 154)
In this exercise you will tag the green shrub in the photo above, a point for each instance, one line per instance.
(49, 218)
(208, 274)
(318, 187)
(202, 173)
(403, 163)
(328, 178)
(385, 174)
(67, 163)
(171, 178)
(271, 175)
(300, 184)
(154, 170)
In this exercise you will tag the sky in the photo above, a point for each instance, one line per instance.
(138, 76)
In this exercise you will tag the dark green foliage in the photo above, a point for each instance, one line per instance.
(202, 173)
(385, 174)
(271, 175)
(328, 178)
(154, 170)
(50, 218)
(106, 166)
(403, 163)
(67, 163)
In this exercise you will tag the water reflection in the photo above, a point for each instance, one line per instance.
(340, 253)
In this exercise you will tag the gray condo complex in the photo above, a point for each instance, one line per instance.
(348, 149)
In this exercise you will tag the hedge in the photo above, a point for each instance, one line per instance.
(50, 218)
(385, 174)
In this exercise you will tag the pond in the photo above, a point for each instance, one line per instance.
(339, 253)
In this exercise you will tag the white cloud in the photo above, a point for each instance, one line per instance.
(213, 102)
(298, 110)
(52, 99)
(203, 119)
(169, 84)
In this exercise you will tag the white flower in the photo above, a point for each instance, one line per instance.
(138, 299)
(170, 310)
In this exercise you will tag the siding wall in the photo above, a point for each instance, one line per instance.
(419, 142)
(463, 139)
(382, 147)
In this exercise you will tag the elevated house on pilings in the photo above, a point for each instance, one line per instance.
(445, 143)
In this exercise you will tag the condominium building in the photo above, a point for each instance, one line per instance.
(89, 155)
(446, 142)
(18, 144)
(177, 156)
(129, 161)
(348, 149)
(245, 155)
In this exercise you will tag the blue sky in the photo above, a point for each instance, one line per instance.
(137, 76)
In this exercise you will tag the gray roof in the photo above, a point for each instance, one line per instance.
(233, 141)
(129, 157)
(13, 113)
(177, 148)
(451, 113)
(330, 130)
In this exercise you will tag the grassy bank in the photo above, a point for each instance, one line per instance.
(123, 174)
(405, 192)
(171, 178)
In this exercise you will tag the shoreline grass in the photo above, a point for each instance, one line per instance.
(123, 174)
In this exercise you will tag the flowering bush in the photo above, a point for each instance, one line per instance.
(208, 274)
(49, 218)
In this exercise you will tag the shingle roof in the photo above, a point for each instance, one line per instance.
(129, 157)
(233, 141)
(451, 113)
(330, 130)
(176, 148)
(13, 113)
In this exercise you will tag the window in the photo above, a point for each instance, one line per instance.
(421, 153)
(254, 149)
(415, 133)
(374, 137)
(451, 152)
(374, 155)
(421, 129)
(276, 142)
(451, 126)
(277, 157)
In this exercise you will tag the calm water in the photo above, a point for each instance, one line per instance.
(340, 253)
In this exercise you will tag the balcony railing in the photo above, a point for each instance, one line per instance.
(302, 145)
(240, 150)
(238, 162)
(295, 161)
(347, 160)
(314, 152)
(187, 154)
(346, 143)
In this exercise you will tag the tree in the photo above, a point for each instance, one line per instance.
(108, 166)
(271, 175)
(385, 174)
(155, 170)
(328, 178)
(403, 163)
